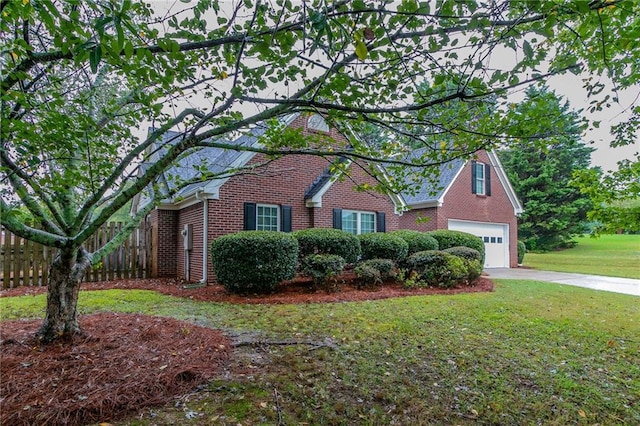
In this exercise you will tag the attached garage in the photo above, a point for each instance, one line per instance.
(495, 237)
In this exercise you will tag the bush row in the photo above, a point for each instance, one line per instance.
(256, 261)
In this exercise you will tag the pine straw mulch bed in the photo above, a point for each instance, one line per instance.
(127, 362)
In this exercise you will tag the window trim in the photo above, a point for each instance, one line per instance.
(482, 181)
(359, 214)
(278, 216)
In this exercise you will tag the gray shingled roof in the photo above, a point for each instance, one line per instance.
(216, 160)
(429, 191)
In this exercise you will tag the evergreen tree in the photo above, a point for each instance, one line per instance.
(554, 210)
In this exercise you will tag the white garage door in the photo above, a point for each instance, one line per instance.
(495, 237)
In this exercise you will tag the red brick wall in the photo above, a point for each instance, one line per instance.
(191, 215)
(341, 195)
(420, 220)
(163, 247)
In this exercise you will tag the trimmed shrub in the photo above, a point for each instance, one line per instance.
(381, 245)
(471, 258)
(417, 241)
(254, 261)
(435, 268)
(522, 250)
(321, 268)
(328, 241)
(384, 266)
(474, 270)
(368, 276)
(465, 253)
(447, 239)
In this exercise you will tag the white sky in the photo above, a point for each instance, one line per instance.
(570, 86)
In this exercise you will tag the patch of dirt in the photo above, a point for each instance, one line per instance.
(128, 362)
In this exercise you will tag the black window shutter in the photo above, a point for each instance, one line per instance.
(249, 216)
(337, 218)
(473, 176)
(381, 225)
(487, 179)
(285, 218)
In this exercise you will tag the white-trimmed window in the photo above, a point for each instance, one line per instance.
(480, 178)
(267, 217)
(357, 222)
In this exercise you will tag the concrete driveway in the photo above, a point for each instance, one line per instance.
(596, 282)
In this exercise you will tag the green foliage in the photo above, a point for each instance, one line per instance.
(447, 239)
(522, 250)
(472, 261)
(321, 268)
(474, 270)
(328, 241)
(379, 245)
(254, 261)
(464, 252)
(614, 195)
(384, 266)
(436, 268)
(368, 276)
(416, 240)
(554, 210)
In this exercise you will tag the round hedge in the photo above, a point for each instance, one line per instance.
(417, 241)
(437, 268)
(384, 266)
(465, 252)
(447, 239)
(368, 276)
(380, 245)
(471, 259)
(254, 261)
(328, 241)
(321, 267)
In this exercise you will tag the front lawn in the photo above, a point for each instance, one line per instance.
(609, 255)
(527, 353)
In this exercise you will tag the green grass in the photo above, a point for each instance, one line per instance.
(610, 255)
(528, 353)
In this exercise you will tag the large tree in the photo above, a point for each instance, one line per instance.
(555, 211)
(81, 78)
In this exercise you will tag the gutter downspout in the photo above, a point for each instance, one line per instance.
(205, 245)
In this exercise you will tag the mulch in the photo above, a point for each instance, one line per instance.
(125, 362)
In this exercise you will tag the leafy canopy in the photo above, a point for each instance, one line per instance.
(82, 81)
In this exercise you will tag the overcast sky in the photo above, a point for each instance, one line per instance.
(570, 86)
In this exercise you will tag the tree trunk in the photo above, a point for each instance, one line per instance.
(66, 272)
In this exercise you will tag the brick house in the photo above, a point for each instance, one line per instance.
(298, 192)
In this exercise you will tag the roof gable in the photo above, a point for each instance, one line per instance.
(428, 195)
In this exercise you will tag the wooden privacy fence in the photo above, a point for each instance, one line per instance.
(25, 263)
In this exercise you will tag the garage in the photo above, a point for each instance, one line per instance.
(495, 237)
